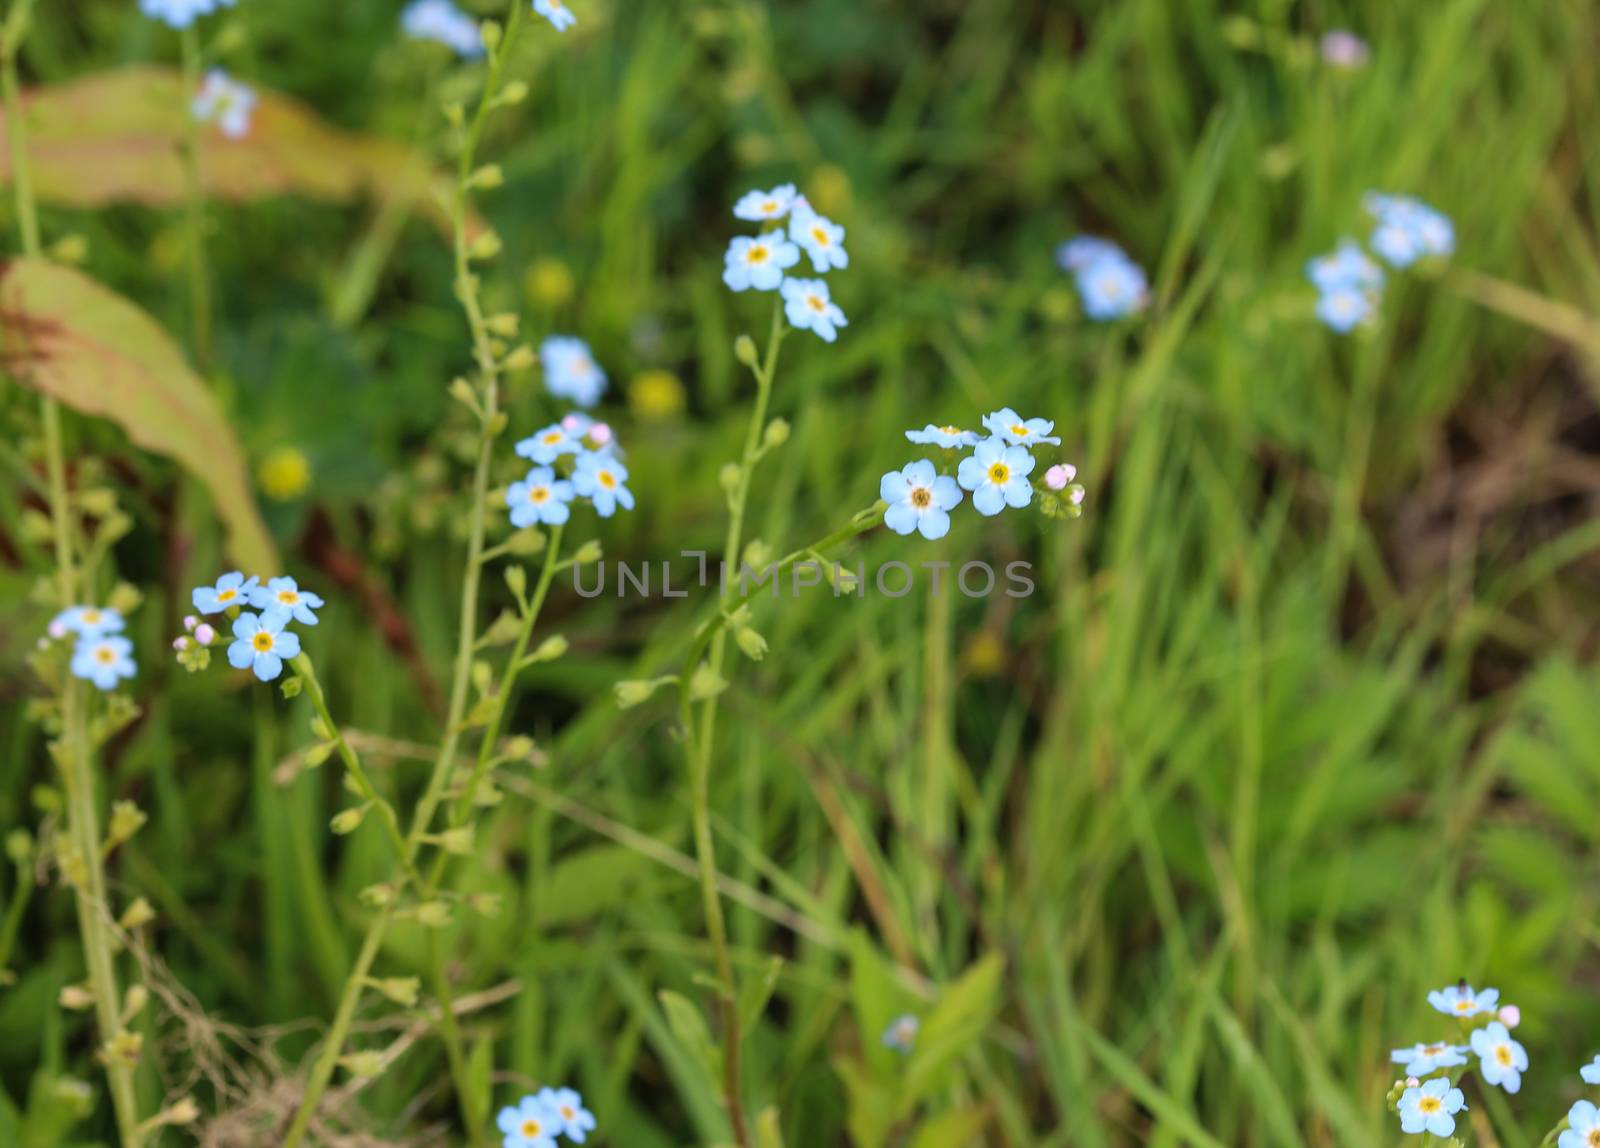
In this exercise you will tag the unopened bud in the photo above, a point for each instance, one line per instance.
(744, 349)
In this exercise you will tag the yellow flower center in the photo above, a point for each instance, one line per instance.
(553, 437)
(105, 655)
(606, 479)
(227, 595)
(262, 641)
(1433, 1049)
(1594, 1138)
(999, 474)
(539, 494)
(566, 1112)
(92, 617)
(1503, 1054)
(921, 497)
(1429, 1104)
(1466, 1005)
(820, 236)
(758, 254)
(816, 304)
(532, 1128)
(951, 430)
(288, 597)
(1019, 430)
(769, 207)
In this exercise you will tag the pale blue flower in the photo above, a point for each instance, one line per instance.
(1431, 1107)
(1583, 1126)
(1408, 230)
(601, 479)
(1422, 1059)
(231, 590)
(180, 13)
(1346, 266)
(570, 371)
(546, 445)
(1077, 254)
(819, 237)
(1111, 284)
(283, 597)
(948, 437)
(1018, 431)
(901, 1035)
(104, 659)
(1501, 1060)
(540, 497)
(766, 206)
(86, 622)
(225, 100)
(530, 1124)
(758, 263)
(997, 476)
(919, 499)
(575, 1121)
(444, 23)
(1591, 1071)
(809, 307)
(261, 644)
(1463, 1000)
(557, 12)
(1344, 49)
(1344, 308)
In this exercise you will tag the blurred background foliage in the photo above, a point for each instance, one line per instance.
(1301, 722)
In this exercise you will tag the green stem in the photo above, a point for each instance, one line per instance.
(699, 750)
(76, 775)
(352, 763)
(194, 205)
(433, 794)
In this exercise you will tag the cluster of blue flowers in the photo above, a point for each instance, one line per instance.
(762, 263)
(262, 640)
(574, 458)
(901, 1034)
(181, 13)
(1111, 285)
(225, 101)
(1428, 1099)
(100, 654)
(996, 473)
(537, 1121)
(1349, 282)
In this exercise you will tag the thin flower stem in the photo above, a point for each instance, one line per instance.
(195, 205)
(352, 763)
(699, 749)
(428, 805)
(73, 757)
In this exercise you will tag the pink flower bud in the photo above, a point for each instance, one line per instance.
(1076, 497)
(600, 434)
(573, 422)
(204, 634)
(1412, 1082)
(56, 630)
(190, 622)
(1057, 477)
(180, 644)
(1510, 1016)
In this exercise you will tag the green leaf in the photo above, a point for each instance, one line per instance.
(768, 1133)
(757, 991)
(117, 137)
(957, 1129)
(590, 882)
(953, 1028)
(688, 1024)
(870, 1104)
(96, 352)
(480, 1069)
(878, 998)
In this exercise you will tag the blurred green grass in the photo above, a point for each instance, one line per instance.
(1301, 722)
